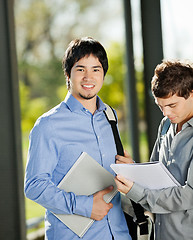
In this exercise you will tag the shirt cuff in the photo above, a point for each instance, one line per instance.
(136, 193)
(84, 205)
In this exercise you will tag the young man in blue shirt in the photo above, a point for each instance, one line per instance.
(76, 125)
(172, 87)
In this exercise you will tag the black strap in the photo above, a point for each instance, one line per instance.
(138, 209)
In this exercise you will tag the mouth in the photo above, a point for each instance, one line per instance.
(172, 118)
(88, 86)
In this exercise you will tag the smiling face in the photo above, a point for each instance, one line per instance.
(86, 78)
(178, 109)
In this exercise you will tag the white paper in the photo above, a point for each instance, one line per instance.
(152, 175)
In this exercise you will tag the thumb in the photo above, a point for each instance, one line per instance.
(126, 154)
(122, 179)
(110, 205)
(107, 190)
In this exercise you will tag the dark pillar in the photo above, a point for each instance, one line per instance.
(153, 55)
(12, 214)
(131, 84)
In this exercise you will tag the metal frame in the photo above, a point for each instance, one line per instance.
(11, 167)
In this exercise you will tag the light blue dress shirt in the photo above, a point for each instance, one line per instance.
(56, 141)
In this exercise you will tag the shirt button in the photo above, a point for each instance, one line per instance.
(168, 163)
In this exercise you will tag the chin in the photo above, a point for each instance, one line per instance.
(88, 97)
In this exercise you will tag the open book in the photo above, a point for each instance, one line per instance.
(85, 177)
(152, 175)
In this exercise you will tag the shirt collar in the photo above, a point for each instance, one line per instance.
(73, 104)
(100, 105)
(190, 121)
(186, 124)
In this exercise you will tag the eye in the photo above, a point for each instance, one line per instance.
(96, 70)
(173, 105)
(80, 69)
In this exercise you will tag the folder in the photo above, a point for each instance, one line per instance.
(86, 177)
(152, 175)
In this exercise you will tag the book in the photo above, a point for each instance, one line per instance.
(152, 175)
(86, 177)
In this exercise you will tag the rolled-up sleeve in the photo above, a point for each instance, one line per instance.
(39, 187)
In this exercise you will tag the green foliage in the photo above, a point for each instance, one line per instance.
(33, 209)
(112, 91)
(31, 109)
(140, 94)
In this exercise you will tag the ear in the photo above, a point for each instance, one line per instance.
(68, 82)
(191, 95)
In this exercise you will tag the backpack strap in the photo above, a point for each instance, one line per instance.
(111, 117)
(138, 209)
(165, 127)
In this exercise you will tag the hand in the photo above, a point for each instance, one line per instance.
(100, 207)
(123, 185)
(124, 159)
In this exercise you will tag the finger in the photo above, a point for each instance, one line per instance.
(110, 205)
(122, 179)
(118, 183)
(128, 183)
(121, 187)
(121, 159)
(124, 161)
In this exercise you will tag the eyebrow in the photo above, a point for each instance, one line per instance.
(82, 66)
(167, 105)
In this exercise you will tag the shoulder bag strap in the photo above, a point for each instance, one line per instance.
(165, 127)
(138, 209)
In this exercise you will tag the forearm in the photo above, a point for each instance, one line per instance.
(44, 192)
(163, 201)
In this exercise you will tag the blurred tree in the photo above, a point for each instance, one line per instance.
(41, 44)
(112, 91)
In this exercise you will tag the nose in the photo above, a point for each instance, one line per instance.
(166, 111)
(87, 75)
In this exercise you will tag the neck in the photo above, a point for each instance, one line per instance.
(90, 104)
(179, 128)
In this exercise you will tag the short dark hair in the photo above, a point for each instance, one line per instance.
(80, 48)
(172, 77)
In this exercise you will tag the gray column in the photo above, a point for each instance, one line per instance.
(131, 84)
(12, 212)
(153, 55)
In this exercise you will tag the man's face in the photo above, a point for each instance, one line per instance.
(177, 109)
(87, 78)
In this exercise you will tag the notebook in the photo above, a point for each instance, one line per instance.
(85, 177)
(152, 175)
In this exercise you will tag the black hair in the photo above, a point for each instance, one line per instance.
(80, 48)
